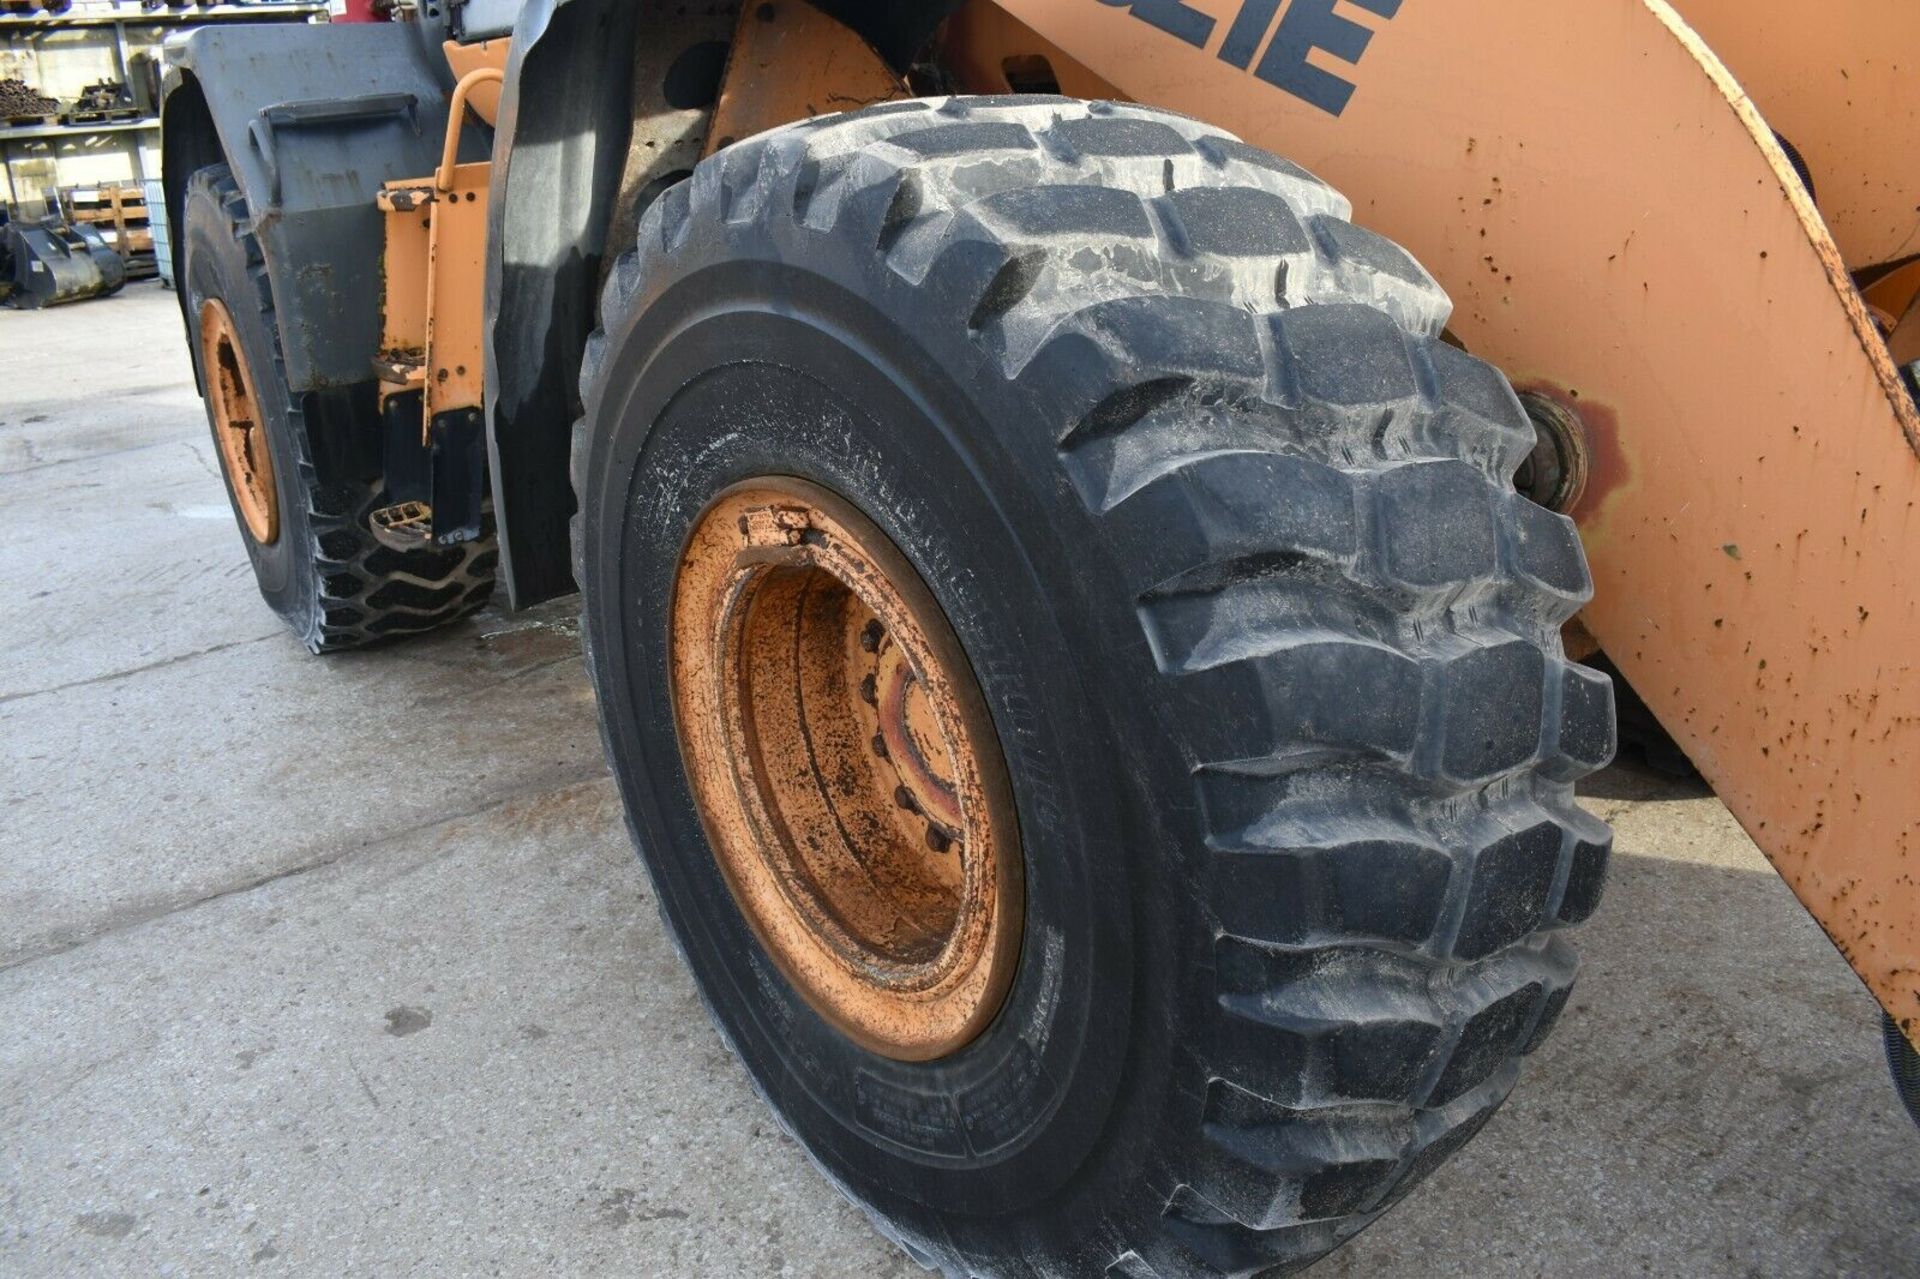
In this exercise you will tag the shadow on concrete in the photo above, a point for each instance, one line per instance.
(1714, 1101)
(1628, 777)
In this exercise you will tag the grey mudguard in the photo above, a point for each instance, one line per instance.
(313, 120)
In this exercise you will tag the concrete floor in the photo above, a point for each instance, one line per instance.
(346, 965)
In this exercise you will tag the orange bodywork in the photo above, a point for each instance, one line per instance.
(1904, 340)
(491, 55)
(791, 62)
(405, 305)
(1892, 296)
(434, 266)
(456, 279)
(991, 51)
(435, 270)
(1838, 82)
(1619, 231)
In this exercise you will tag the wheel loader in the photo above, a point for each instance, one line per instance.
(1092, 517)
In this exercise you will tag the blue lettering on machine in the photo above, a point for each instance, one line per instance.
(1305, 26)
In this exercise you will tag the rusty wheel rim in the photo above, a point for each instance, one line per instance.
(846, 769)
(238, 425)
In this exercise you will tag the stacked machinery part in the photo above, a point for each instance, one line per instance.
(18, 100)
(51, 261)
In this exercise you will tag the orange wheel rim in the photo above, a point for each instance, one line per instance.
(238, 425)
(846, 769)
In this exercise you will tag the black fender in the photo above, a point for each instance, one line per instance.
(565, 121)
(312, 120)
(561, 134)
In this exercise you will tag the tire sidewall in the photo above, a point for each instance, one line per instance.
(707, 389)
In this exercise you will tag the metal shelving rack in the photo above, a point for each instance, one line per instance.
(133, 15)
(120, 17)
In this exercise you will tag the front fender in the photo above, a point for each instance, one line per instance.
(566, 112)
(312, 120)
(565, 128)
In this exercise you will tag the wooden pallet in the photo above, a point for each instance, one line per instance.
(119, 213)
(131, 240)
(111, 115)
(122, 204)
(28, 121)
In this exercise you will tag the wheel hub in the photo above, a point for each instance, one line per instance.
(846, 769)
(239, 428)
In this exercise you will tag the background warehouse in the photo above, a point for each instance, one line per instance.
(79, 118)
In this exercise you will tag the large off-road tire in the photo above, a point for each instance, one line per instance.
(1269, 643)
(305, 522)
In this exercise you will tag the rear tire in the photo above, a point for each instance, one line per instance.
(322, 572)
(1229, 538)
